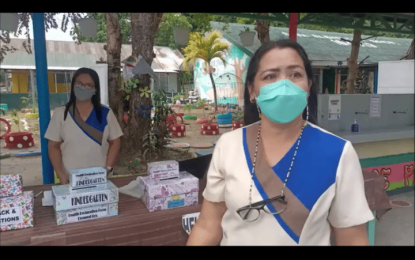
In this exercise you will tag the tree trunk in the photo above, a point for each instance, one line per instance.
(143, 30)
(353, 67)
(114, 42)
(411, 51)
(262, 27)
(214, 91)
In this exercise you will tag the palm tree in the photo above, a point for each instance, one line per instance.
(207, 49)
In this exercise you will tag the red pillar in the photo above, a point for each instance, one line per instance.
(293, 26)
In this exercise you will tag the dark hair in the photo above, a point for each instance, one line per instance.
(251, 114)
(96, 99)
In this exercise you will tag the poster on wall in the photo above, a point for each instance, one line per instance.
(375, 102)
(334, 107)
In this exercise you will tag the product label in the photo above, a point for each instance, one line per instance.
(175, 203)
(86, 177)
(11, 216)
(87, 214)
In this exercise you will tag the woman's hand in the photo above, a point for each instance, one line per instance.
(63, 178)
(113, 151)
(56, 160)
(207, 230)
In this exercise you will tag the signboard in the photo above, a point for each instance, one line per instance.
(334, 107)
(375, 102)
(189, 220)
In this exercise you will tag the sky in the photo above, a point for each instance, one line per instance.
(52, 34)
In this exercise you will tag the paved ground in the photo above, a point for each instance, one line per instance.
(396, 227)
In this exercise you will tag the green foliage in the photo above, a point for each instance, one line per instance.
(154, 143)
(188, 108)
(238, 115)
(14, 113)
(176, 97)
(145, 92)
(205, 48)
(242, 20)
(128, 86)
(131, 163)
(164, 36)
(160, 98)
(202, 102)
(2, 76)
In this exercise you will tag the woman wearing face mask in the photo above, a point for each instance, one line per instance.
(295, 181)
(84, 133)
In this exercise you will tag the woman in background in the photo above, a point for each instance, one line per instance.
(83, 133)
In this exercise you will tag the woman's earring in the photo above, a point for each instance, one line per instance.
(307, 115)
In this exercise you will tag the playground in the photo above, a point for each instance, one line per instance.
(30, 167)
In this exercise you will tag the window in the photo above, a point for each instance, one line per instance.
(63, 78)
(162, 81)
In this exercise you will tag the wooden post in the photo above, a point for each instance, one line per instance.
(293, 26)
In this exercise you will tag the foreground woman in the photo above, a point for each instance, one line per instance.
(294, 181)
(84, 133)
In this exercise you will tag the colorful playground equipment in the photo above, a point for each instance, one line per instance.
(176, 129)
(209, 129)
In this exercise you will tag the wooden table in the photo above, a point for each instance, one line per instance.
(134, 225)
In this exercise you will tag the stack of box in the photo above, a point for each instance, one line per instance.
(16, 206)
(87, 196)
(165, 187)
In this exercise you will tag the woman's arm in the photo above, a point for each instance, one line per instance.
(55, 156)
(351, 236)
(113, 151)
(349, 211)
(207, 230)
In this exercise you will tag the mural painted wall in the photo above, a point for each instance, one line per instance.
(397, 170)
(231, 92)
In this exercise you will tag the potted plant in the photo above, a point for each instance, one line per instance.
(31, 111)
(237, 119)
(202, 103)
(189, 108)
(18, 139)
(247, 37)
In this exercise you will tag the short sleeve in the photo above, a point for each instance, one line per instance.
(53, 133)
(349, 207)
(114, 127)
(215, 183)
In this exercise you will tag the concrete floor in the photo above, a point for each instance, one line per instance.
(396, 227)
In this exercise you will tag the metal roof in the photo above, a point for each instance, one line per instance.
(70, 55)
(325, 48)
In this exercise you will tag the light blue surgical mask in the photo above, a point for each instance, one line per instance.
(83, 94)
(282, 101)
